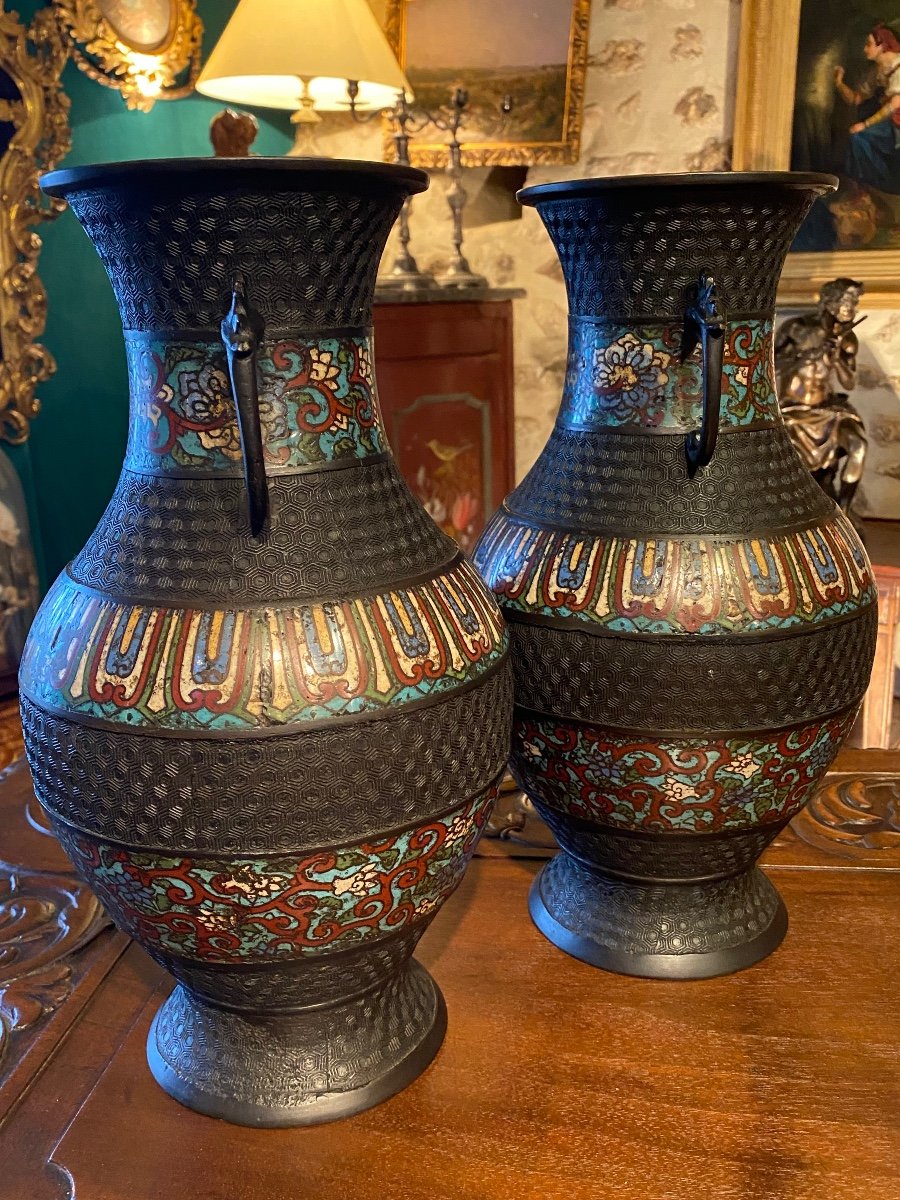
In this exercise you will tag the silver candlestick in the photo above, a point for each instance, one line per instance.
(458, 274)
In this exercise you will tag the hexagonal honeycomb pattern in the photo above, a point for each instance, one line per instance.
(288, 1061)
(285, 792)
(308, 257)
(654, 919)
(330, 534)
(637, 251)
(639, 486)
(693, 684)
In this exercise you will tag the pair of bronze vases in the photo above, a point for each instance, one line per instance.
(268, 706)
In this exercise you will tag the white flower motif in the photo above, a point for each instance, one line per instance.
(532, 749)
(364, 363)
(458, 827)
(426, 905)
(744, 765)
(321, 367)
(359, 883)
(215, 918)
(628, 368)
(227, 439)
(674, 789)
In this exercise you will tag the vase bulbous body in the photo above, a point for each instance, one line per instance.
(267, 706)
(691, 640)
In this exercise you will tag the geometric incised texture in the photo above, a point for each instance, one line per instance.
(282, 985)
(683, 586)
(330, 534)
(626, 484)
(700, 785)
(290, 1061)
(276, 908)
(283, 793)
(636, 376)
(265, 740)
(223, 670)
(649, 683)
(317, 403)
(689, 646)
(634, 919)
(172, 246)
(637, 251)
(673, 857)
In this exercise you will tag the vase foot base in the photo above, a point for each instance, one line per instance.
(298, 1068)
(658, 930)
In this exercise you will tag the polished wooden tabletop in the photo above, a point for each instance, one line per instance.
(556, 1080)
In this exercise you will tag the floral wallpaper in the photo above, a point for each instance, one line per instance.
(659, 97)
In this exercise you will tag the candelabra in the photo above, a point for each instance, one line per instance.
(404, 273)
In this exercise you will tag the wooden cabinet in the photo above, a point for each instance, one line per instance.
(445, 380)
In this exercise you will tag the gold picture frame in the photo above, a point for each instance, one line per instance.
(764, 108)
(504, 150)
(31, 60)
(145, 59)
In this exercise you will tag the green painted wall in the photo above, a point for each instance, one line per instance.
(71, 461)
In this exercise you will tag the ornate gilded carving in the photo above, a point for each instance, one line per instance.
(506, 152)
(32, 60)
(149, 51)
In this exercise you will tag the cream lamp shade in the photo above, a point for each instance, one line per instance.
(284, 53)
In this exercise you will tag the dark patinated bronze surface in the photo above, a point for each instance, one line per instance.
(693, 620)
(267, 707)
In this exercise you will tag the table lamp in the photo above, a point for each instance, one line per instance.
(302, 55)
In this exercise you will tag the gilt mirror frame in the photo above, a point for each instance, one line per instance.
(34, 117)
(162, 66)
(428, 149)
(764, 113)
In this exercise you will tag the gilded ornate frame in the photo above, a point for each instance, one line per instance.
(430, 154)
(767, 67)
(33, 58)
(143, 77)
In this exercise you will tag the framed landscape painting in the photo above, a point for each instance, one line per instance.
(532, 51)
(819, 90)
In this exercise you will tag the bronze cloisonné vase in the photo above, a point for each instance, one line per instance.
(267, 706)
(693, 621)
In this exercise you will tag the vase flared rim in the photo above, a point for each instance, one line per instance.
(577, 189)
(290, 173)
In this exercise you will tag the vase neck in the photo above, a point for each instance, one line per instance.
(626, 375)
(318, 402)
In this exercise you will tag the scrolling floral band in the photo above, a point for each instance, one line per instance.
(317, 402)
(684, 785)
(253, 908)
(634, 375)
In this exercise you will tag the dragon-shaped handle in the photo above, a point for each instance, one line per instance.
(241, 331)
(705, 323)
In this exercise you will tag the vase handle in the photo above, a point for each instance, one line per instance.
(241, 332)
(705, 323)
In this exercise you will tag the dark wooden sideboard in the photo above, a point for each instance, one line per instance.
(556, 1081)
(444, 362)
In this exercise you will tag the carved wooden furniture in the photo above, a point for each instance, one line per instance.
(878, 706)
(444, 362)
(779, 1081)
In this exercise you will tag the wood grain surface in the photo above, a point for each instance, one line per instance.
(556, 1080)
